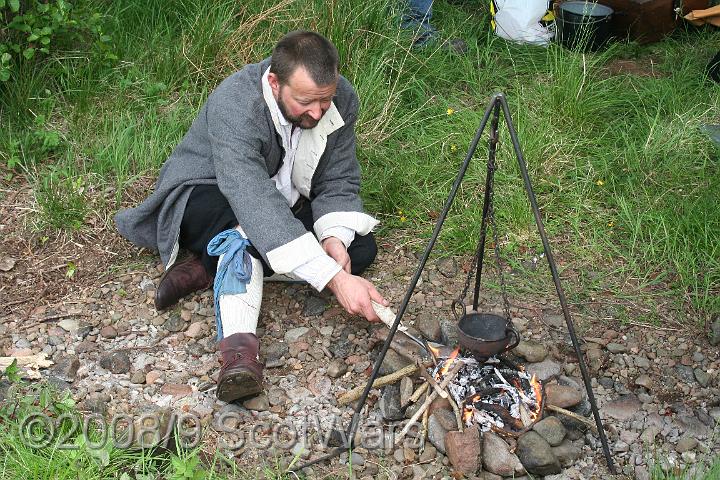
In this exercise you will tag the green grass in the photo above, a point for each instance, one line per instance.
(44, 436)
(626, 180)
(710, 472)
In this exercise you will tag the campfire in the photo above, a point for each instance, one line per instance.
(493, 394)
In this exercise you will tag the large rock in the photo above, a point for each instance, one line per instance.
(691, 425)
(536, 455)
(295, 334)
(715, 331)
(314, 306)
(66, 368)
(429, 325)
(551, 429)
(117, 362)
(389, 403)
(544, 370)
(497, 457)
(567, 453)
(393, 362)
(436, 433)
(624, 408)
(259, 403)
(463, 450)
(175, 323)
(616, 348)
(449, 334)
(562, 396)
(337, 368)
(406, 390)
(531, 351)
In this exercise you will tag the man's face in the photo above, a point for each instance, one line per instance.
(301, 101)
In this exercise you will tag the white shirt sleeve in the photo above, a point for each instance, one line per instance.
(317, 271)
(344, 234)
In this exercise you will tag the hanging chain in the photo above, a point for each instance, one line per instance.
(460, 301)
(498, 265)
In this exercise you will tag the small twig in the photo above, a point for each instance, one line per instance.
(428, 400)
(572, 415)
(431, 381)
(356, 392)
(62, 315)
(423, 437)
(17, 302)
(421, 389)
(458, 416)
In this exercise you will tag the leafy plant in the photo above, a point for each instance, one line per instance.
(32, 27)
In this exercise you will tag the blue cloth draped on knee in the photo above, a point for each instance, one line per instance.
(235, 270)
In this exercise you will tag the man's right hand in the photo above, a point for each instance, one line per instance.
(355, 294)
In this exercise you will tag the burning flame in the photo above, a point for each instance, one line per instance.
(537, 390)
(435, 351)
(468, 409)
(466, 416)
(448, 363)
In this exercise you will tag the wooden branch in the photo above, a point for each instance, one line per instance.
(572, 415)
(456, 409)
(425, 419)
(431, 381)
(356, 392)
(418, 393)
(61, 316)
(428, 400)
(31, 364)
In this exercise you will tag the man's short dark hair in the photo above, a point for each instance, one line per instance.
(306, 49)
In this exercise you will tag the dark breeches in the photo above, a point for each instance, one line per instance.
(208, 213)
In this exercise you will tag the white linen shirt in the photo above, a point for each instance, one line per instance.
(319, 270)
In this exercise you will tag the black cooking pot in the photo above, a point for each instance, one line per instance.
(486, 334)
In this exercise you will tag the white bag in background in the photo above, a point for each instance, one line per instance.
(519, 21)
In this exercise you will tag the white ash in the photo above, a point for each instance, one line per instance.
(490, 380)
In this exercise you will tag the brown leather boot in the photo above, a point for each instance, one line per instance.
(182, 278)
(241, 374)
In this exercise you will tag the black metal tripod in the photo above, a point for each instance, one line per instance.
(497, 103)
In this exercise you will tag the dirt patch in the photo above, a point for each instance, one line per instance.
(638, 67)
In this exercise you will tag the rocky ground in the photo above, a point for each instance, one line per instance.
(656, 387)
(86, 301)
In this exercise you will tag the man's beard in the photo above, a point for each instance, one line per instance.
(304, 121)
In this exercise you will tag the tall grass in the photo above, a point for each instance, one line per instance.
(625, 177)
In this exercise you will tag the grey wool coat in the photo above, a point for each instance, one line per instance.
(233, 143)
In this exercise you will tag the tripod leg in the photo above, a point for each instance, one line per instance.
(556, 280)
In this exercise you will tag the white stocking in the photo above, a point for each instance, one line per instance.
(240, 312)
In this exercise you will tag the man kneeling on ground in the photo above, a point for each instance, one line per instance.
(264, 183)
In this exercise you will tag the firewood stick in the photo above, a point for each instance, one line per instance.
(456, 409)
(428, 400)
(418, 393)
(572, 415)
(425, 419)
(431, 381)
(38, 360)
(356, 392)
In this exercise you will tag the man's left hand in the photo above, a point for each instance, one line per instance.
(334, 247)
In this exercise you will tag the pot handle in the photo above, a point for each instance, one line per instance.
(511, 331)
(458, 309)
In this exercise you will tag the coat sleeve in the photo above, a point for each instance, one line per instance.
(236, 131)
(336, 190)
